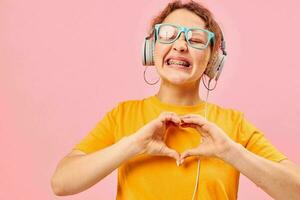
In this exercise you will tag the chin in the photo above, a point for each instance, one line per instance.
(176, 80)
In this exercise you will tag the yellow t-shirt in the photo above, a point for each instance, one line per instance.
(147, 177)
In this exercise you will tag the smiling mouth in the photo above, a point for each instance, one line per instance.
(179, 64)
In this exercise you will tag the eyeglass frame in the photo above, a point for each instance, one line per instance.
(211, 35)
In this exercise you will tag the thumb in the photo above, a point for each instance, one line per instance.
(188, 153)
(172, 153)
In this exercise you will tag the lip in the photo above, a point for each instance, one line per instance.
(181, 58)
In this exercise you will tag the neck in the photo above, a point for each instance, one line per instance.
(183, 95)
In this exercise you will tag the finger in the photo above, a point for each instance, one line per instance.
(204, 124)
(189, 125)
(194, 116)
(188, 153)
(193, 123)
(171, 153)
(170, 116)
(197, 117)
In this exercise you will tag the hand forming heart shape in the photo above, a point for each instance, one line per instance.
(150, 138)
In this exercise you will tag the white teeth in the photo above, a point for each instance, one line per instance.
(178, 62)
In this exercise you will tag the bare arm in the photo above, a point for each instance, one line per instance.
(279, 180)
(79, 171)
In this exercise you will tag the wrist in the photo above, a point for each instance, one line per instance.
(232, 152)
(135, 144)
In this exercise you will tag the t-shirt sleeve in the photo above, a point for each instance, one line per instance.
(102, 135)
(255, 141)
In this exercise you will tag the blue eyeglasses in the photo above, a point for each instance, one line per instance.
(196, 37)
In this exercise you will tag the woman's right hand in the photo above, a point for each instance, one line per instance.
(150, 138)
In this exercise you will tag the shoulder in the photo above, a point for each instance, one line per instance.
(128, 105)
(228, 118)
(222, 113)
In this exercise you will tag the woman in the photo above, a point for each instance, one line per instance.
(210, 144)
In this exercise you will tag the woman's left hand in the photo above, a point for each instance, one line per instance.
(214, 142)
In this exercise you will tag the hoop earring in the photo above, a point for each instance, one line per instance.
(146, 79)
(209, 81)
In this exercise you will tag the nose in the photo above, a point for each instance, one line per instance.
(180, 44)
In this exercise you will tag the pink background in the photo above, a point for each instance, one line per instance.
(63, 64)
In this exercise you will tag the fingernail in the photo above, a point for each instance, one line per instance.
(177, 163)
(181, 161)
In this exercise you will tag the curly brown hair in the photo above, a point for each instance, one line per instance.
(199, 10)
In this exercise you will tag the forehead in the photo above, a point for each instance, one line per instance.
(184, 17)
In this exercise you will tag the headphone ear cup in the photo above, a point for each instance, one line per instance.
(209, 71)
(214, 68)
(220, 67)
(147, 52)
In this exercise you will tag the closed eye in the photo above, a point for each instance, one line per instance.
(197, 41)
